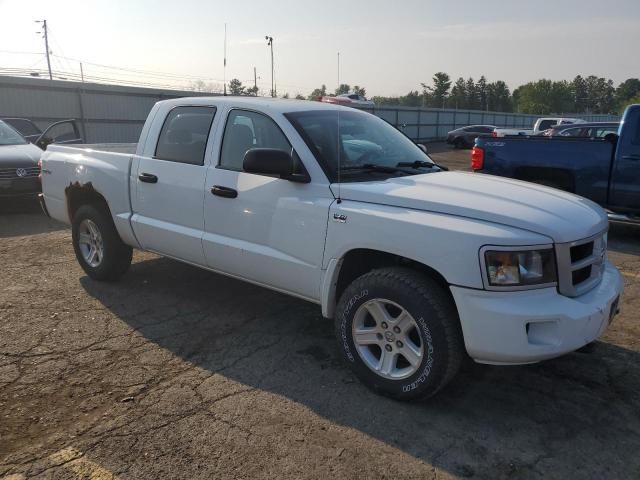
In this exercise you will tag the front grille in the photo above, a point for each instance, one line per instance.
(11, 173)
(580, 264)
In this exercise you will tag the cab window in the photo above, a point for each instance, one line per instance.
(184, 135)
(245, 130)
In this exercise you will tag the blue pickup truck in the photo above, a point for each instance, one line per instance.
(605, 170)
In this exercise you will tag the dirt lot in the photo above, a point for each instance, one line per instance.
(175, 372)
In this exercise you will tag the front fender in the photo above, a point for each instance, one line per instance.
(447, 244)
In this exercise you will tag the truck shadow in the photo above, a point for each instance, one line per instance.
(624, 238)
(565, 417)
(25, 219)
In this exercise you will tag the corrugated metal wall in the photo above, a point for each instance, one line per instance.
(106, 113)
(109, 113)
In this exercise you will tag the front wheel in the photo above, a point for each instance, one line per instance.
(399, 331)
(99, 249)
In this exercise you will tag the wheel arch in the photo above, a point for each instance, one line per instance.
(358, 261)
(77, 195)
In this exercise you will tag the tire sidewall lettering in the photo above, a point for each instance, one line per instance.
(344, 315)
(428, 364)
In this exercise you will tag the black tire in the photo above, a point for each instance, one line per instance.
(459, 143)
(116, 255)
(438, 326)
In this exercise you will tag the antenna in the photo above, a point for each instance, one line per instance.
(224, 81)
(339, 199)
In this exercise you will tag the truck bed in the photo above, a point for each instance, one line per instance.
(129, 148)
(577, 165)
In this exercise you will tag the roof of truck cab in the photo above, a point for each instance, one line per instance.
(267, 104)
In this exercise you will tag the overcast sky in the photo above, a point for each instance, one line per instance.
(388, 46)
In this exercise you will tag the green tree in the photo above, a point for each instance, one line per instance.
(318, 92)
(600, 94)
(458, 97)
(236, 87)
(579, 90)
(626, 92)
(359, 91)
(545, 97)
(499, 97)
(342, 89)
(482, 93)
(251, 91)
(411, 99)
(471, 94)
(436, 95)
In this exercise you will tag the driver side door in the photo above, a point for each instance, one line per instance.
(259, 227)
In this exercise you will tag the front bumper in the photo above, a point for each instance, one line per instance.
(533, 325)
(20, 187)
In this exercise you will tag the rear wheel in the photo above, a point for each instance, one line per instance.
(459, 143)
(399, 331)
(98, 247)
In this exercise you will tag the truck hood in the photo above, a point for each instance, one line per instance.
(562, 216)
(26, 155)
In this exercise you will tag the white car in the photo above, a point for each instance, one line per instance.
(349, 99)
(417, 266)
(540, 126)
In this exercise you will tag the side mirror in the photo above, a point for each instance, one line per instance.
(271, 161)
(422, 147)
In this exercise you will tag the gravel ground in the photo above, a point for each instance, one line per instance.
(175, 372)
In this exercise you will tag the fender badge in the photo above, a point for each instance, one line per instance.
(339, 218)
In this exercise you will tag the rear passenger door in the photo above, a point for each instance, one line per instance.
(169, 185)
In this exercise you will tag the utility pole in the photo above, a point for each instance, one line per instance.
(255, 81)
(81, 73)
(273, 85)
(46, 44)
(338, 69)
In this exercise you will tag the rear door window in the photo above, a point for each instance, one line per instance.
(184, 135)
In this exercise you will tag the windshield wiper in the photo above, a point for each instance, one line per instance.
(421, 164)
(370, 167)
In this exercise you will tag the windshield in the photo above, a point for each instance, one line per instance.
(8, 136)
(357, 144)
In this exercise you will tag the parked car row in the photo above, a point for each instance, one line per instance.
(464, 137)
(21, 145)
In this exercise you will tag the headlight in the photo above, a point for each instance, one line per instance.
(518, 268)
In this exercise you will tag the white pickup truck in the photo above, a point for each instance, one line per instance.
(540, 126)
(418, 266)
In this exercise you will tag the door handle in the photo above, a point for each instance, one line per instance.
(225, 192)
(631, 157)
(148, 178)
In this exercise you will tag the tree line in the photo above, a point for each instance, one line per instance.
(590, 94)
